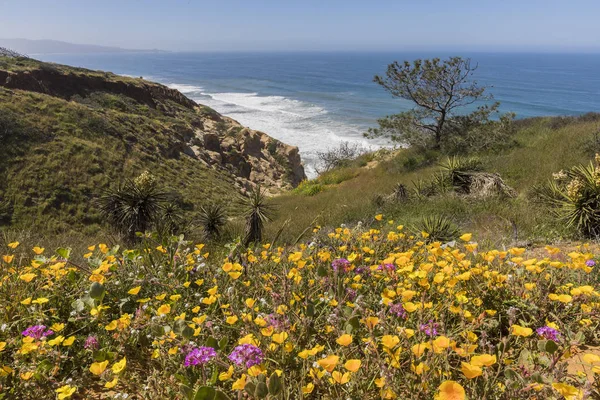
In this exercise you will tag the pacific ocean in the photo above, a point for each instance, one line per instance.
(317, 100)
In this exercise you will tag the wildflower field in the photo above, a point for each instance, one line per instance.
(354, 314)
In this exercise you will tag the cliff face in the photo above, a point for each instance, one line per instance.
(251, 157)
(67, 134)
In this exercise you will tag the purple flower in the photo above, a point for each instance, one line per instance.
(37, 332)
(365, 271)
(246, 354)
(398, 310)
(430, 329)
(351, 293)
(590, 263)
(386, 268)
(341, 264)
(277, 321)
(548, 333)
(199, 356)
(91, 343)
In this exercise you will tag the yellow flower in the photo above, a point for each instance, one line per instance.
(98, 368)
(379, 217)
(450, 390)
(240, 383)
(232, 320)
(27, 277)
(484, 360)
(57, 327)
(40, 300)
(13, 245)
(111, 384)
(470, 371)
(340, 378)
(344, 340)
(26, 375)
(466, 237)
(2, 346)
(134, 290)
(112, 326)
(518, 330)
(390, 341)
(371, 322)
(119, 366)
(8, 259)
(308, 388)
(64, 392)
(352, 365)
(223, 376)
(69, 341)
(568, 391)
(164, 309)
(38, 250)
(328, 363)
(279, 337)
(56, 341)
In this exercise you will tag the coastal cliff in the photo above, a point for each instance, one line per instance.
(106, 128)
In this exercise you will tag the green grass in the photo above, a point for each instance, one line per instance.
(544, 146)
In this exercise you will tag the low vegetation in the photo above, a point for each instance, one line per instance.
(376, 313)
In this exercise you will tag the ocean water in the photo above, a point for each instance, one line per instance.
(317, 100)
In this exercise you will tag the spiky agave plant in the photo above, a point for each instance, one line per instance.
(133, 206)
(575, 196)
(258, 211)
(438, 228)
(212, 219)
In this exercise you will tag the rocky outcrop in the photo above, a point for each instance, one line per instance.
(251, 157)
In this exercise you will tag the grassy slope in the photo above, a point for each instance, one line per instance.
(545, 145)
(57, 155)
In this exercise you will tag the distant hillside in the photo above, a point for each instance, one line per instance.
(66, 134)
(28, 46)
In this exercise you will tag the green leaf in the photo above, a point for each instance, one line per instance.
(97, 291)
(250, 388)
(223, 343)
(78, 305)
(321, 271)
(541, 345)
(262, 391)
(274, 384)
(310, 310)
(551, 346)
(182, 379)
(221, 396)
(212, 342)
(205, 393)
(186, 391)
(64, 252)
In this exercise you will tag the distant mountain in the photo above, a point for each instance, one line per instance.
(27, 46)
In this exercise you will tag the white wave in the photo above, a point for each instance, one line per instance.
(294, 122)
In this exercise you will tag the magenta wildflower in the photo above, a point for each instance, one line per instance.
(37, 332)
(91, 343)
(398, 310)
(246, 354)
(590, 263)
(430, 329)
(341, 265)
(548, 333)
(386, 267)
(199, 356)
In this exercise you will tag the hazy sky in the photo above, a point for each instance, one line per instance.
(505, 25)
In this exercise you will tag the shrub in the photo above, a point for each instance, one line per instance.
(574, 195)
(338, 157)
(437, 229)
(212, 219)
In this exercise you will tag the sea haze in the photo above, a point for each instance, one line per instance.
(317, 100)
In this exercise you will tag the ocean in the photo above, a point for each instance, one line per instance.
(318, 100)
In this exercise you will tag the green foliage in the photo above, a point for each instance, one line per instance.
(440, 90)
(212, 219)
(136, 206)
(574, 195)
(439, 228)
(257, 212)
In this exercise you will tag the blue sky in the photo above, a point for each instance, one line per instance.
(277, 25)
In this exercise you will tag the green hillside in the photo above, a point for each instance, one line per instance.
(67, 134)
(542, 147)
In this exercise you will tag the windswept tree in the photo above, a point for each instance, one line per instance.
(440, 91)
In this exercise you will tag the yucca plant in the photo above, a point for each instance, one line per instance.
(258, 211)
(575, 197)
(438, 228)
(133, 206)
(212, 219)
(457, 171)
